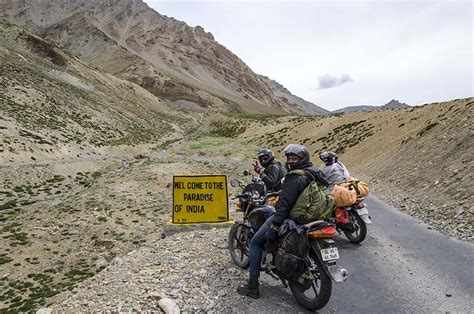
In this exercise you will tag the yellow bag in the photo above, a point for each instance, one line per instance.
(362, 188)
(343, 196)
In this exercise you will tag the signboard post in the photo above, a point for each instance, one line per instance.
(200, 199)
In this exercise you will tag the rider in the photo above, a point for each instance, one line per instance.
(271, 172)
(297, 157)
(335, 171)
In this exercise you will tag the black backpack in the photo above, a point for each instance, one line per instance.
(290, 258)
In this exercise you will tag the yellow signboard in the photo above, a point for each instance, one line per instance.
(200, 198)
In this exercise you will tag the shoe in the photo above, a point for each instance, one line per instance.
(250, 289)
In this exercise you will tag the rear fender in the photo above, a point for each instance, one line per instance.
(317, 245)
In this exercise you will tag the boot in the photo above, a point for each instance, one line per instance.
(250, 289)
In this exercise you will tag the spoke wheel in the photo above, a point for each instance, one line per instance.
(239, 242)
(357, 230)
(313, 289)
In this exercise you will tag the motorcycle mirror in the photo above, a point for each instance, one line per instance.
(235, 183)
(246, 173)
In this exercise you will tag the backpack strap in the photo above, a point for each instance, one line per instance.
(303, 172)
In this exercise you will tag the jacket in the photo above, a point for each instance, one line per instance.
(272, 176)
(335, 174)
(292, 187)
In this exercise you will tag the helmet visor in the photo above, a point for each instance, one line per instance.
(263, 158)
(294, 149)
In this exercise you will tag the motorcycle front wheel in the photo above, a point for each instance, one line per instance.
(314, 288)
(357, 230)
(239, 242)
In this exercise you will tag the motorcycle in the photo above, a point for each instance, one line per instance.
(313, 289)
(353, 220)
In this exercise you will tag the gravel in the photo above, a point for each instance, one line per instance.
(192, 270)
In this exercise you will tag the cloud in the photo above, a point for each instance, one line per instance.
(329, 81)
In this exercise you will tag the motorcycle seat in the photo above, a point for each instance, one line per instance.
(318, 224)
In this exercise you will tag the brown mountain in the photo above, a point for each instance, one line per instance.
(169, 58)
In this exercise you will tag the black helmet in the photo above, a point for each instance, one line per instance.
(300, 151)
(328, 157)
(265, 156)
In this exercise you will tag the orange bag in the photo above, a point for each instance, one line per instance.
(343, 196)
(362, 188)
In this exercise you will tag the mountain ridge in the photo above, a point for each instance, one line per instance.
(392, 104)
(129, 39)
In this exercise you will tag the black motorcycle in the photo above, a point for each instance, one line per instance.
(313, 288)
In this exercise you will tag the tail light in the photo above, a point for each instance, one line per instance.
(342, 216)
(326, 232)
(239, 204)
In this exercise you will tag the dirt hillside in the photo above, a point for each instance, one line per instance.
(54, 105)
(420, 158)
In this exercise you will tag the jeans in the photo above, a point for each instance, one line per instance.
(256, 248)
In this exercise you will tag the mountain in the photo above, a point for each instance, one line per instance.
(392, 104)
(293, 103)
(183, 64)
(54, 105)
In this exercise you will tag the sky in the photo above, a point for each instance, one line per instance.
(345, 53)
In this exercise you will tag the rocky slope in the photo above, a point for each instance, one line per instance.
(172, 60)
(54, 105)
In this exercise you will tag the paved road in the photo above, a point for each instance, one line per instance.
(402, 266)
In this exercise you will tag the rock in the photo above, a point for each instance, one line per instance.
(458, 212)
(44, 310)
(168, 306)
(156, 295)
(117, 261)
(101, 262)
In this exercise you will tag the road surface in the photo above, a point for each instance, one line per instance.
(402, 266)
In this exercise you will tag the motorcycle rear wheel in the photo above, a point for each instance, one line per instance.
(305, 290)
(239, 243)
(357, 231)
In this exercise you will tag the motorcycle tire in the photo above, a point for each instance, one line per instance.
(305, 290)
(357, 231)
(239, 243)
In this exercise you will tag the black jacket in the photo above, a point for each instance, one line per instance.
(272, 176)
(293, 185)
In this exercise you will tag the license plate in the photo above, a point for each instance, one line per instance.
(362, 211)
(330, 254)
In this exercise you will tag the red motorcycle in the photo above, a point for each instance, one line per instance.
(353, 221)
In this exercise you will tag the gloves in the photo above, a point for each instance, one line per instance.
(257, 168)
(272, 233)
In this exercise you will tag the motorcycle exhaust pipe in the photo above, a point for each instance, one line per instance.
(344, 274)
(337, 273)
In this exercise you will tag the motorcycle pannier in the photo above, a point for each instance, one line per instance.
(314, 203)
(344, 195)
(291, 254)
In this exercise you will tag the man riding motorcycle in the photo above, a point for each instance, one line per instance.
(297, 157)
(335, 171)
(271, 171)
